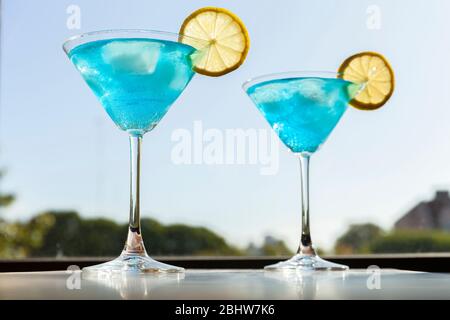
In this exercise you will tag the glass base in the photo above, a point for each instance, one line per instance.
(128, 263)
(304, 262)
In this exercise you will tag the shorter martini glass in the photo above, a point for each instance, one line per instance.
(302, 108)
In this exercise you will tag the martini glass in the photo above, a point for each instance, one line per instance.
(302, 108)
(137, 75)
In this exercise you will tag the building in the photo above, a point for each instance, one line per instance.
(434, 214)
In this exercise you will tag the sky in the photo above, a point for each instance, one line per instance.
(61, 150)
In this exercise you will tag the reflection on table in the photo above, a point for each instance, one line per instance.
(229, 284)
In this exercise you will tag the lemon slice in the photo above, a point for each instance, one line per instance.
(374, 72)
(221, 40)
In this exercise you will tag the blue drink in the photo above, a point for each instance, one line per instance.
(302, 108)
(302, 111)
(137, 75)
(136, 80)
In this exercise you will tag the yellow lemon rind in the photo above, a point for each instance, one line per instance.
(244, 32)
(364, 105)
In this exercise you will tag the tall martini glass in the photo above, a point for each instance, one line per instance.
(136, 75)
(302, 108)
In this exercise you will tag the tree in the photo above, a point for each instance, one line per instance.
(271, 247)
(278, 248)
(412, 241)
(5, 199)
(357, 238)
(66, 233)
(7, 233)
(181, 239)
(70, 235)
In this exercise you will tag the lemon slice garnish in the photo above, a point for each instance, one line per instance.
(374, 72)
(220, 37)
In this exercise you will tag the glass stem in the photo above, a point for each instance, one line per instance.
(305, 247)
(134, 243)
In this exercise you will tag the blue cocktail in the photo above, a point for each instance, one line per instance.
(136, 75)
(303, 109)
(136, 80)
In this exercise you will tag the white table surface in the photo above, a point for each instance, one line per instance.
(230, 284)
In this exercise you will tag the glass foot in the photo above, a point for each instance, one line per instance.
(307, 263)
(128, 263)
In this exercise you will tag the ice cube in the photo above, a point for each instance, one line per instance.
(274, 92)
(180, 79)
(137, 57)
(182, 71)
(274, 99)
(313, 89)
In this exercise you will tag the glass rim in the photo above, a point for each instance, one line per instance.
(288, 75)
(82, 38)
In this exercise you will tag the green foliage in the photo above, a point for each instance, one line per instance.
(70, 235)
(369, 238)
(412, 241)
(278, 248)
(179, 239)
(18, 239)
(271, 247)
(357, 238)
(5, 199)
(66, 233)
(182, 239)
